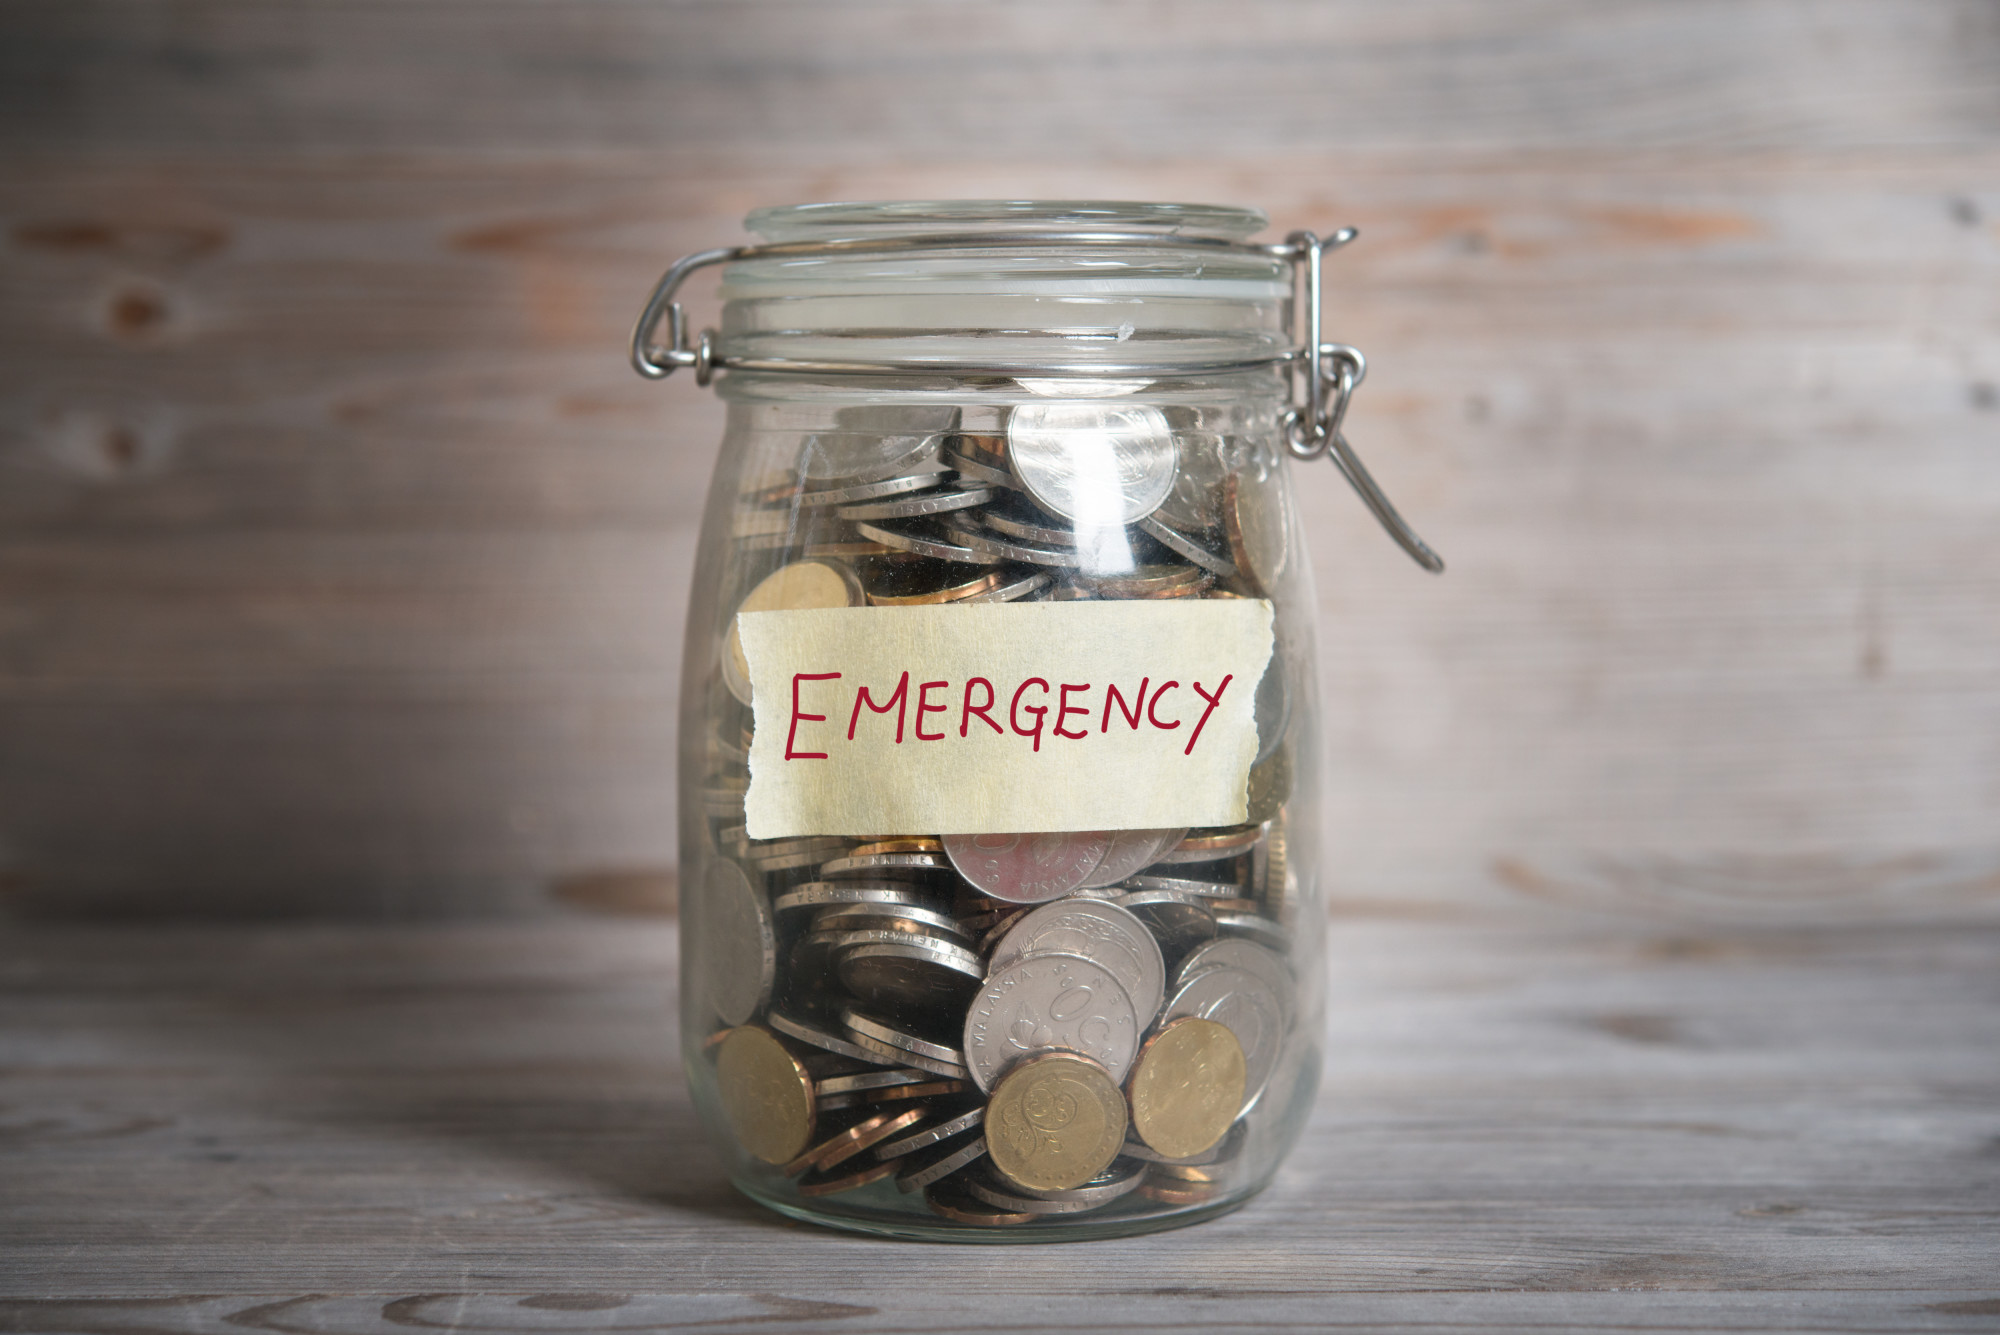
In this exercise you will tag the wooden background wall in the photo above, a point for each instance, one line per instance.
(342, 560)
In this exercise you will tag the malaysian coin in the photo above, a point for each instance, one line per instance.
(1009, 592)
(844, 1145)
(1193, 548)
(1054, 1121)
(1195, 503)
(1254, 927)
(915, 507)
(980, 474)
(822, 1066)
(1256, 1012)
(1027, 528)
(924, 583)
(870, 491)
(825, 1182)
(937, 1134)
(1027, 868)
(864, 865)
(1196, 589)
(1270, 785)
(1114, 1182)
(1179, 921)
(1145, 581)
(822, 894)
(926, 1167)
(952, 1201)
(899, 1045)
(866, 1080)
(1187, 1087)
(899, 843)
(1256, 518)
(791, 854)
(1235, 953)
(1131, 851)
(1169, 1191)
(875, 441)
(766, 1094)
(1102, 465)
(1183, 886)
(894, 1094)
(1211, 845)
(996, 548)
(1221, 1152)
(910, 918)
(924, 540)
(1041, 1002)
(827, 1041)
(1097, 931)
(802, 584)
(739, 948)
(1173, 1172)
(916, 972)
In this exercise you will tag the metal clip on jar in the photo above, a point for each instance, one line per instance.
(999, 775)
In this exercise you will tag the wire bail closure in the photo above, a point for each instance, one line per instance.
(1324, 375)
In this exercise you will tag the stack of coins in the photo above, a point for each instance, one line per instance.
(1020, 1027)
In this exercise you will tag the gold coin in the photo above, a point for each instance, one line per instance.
(1233, 839)
(844, 1145)
(1054, 1122)
(913, 843)
(823, 1182)
(1270, 783)
(1187, 1087)
(766, 1094)
(799, 585)
(1258, 522)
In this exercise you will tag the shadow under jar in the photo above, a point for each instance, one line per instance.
(999, 777)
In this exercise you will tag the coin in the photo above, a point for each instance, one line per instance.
(1270, 784)
(1130, 851)
(765, 1093)
(1187, 1086)
(862, 865)
(1191, 547)
(1179, 921)
(997, 548)
(820, 894)
(925, 1137)
(913, 507)
(1255, 517)
(870, 491)
(844, 1145)
(1102, 465)
(894, 1094)
(821, 1182)
(979, 474)
(1054, 1121)
(1028, 529)
(924, 583)
(1238, 954)
(1253, 1010)
(821, 1038)
(899, 1045)
(1184, 886)
(1221, 1152)
(865, 1080)
(801, 584)
(1020, 588)
(1049, 1001)
(874, 441)
(1209, 845)
(953, 1202)
(1194, 504)
(903, 843)
(1253, 927)
(924, 539)
(916, 972)
(924, 921)
(1114, 1182)
(1100, 932)
(1167, 1191)
(1145, 581)
(740, 950)
(1027, 868)
(926, 1167)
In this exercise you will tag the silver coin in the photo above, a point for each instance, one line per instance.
(1118, 1180)
(1237, 954)
(871, 491)
(985, 475)
(1102, 465)
(1257, 518)
(1099, 932)
(924, 1169)
(911, 974)
(1007, 593)
(1253, 927)
(826, 1040)
(1176, 541)
(931, 1135)
(879, 862)
(1027, 529)
(821, 894)
(739, 948)
(890, 918)
(1027, 868)
(996, 548)
(791, 854)
(852, 938)
(899, 1045)
(1250, 1008)
(1182, 886)
(927, 542)
(1045, 1002)
(1179, 921)
(1131, 851)
(875, 441)
(914, 507)
(863, 1080)
(1194, 505)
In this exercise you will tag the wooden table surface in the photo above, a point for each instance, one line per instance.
(1573, 1122)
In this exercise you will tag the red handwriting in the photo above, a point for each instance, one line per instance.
(1028, 709)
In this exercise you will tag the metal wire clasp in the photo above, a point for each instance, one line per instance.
(1324, 375)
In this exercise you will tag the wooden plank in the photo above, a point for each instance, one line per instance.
(885, 80)
(479, 1126)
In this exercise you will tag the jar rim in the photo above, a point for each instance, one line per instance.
(818, 222)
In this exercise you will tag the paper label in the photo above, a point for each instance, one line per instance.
(1003, 717)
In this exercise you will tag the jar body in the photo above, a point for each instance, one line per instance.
(922, 995)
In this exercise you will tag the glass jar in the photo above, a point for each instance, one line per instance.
(1000, 849)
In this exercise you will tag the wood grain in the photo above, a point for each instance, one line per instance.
(342, 559)
(479, 1127)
